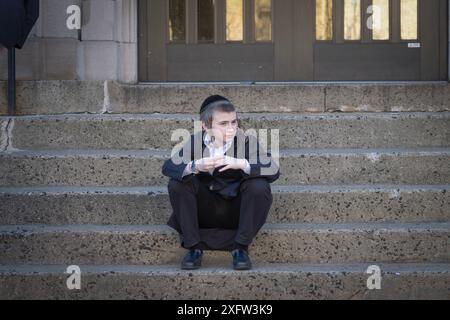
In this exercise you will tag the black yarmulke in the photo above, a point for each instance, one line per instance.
(212, 99)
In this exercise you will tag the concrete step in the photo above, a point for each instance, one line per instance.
(291, 204)
(141, 131)
(56, 97)
(265, 281)
(299, 166)
(4, 138)
(275, 243)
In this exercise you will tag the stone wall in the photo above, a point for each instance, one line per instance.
(108, 50)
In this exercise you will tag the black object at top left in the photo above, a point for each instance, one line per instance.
(17, 18)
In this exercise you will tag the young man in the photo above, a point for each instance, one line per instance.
(220, 198)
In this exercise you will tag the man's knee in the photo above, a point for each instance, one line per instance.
(256, 187)
(179, 187)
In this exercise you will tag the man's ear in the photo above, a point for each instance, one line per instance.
(204, 127)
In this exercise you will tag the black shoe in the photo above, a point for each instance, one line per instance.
(241, 260)
(192, 260)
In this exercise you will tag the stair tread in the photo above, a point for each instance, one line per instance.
(275, 188)
(166, 153)
(270, 227)
(242, 115)
(214, 270)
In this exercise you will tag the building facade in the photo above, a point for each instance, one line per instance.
(238, 40)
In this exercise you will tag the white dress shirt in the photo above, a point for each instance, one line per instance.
(215, 152)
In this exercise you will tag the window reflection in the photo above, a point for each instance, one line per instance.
(235, 20)
(352, 19)
(177, 22)
(205, 20)
(408, 19)
(263, 20)
(380, 19)
(324, 19)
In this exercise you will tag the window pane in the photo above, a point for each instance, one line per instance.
(235, 20)
(352, 19)
(324, 19)
(206, 20)
(177, 25)
(408, 9)
(263, 20)
(380, 20)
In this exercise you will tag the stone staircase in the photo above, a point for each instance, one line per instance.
(83, 186)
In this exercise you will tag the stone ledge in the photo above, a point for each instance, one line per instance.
(275, 243)
(291, 204)
(269, 281)
(302, 166)
(56, 97)
(153, 131)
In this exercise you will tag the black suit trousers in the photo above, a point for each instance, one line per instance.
(198, 210)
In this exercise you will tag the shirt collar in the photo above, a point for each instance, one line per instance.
(209, 144)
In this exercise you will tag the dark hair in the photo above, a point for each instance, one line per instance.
(222, 106)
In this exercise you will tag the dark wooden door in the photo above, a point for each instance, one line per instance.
(206, 40)
(380, 40)
(292, 40)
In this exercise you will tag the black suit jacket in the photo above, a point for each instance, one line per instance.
(226, 183)
(17, 18)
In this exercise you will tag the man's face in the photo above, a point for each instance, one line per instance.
(224, 126)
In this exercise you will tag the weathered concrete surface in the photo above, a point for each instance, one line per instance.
(291, 204)
(268, 281)
(3, 98)
(388, 97)
(187, 98)
(52, 51)
(275, 243)
(50, 97)
(4, 141)
(386, 204)
(54, 97)
(312, 97)
(136, 132)
(302, 166)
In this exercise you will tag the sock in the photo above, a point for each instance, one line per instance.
(196, 246)
(237, 245)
